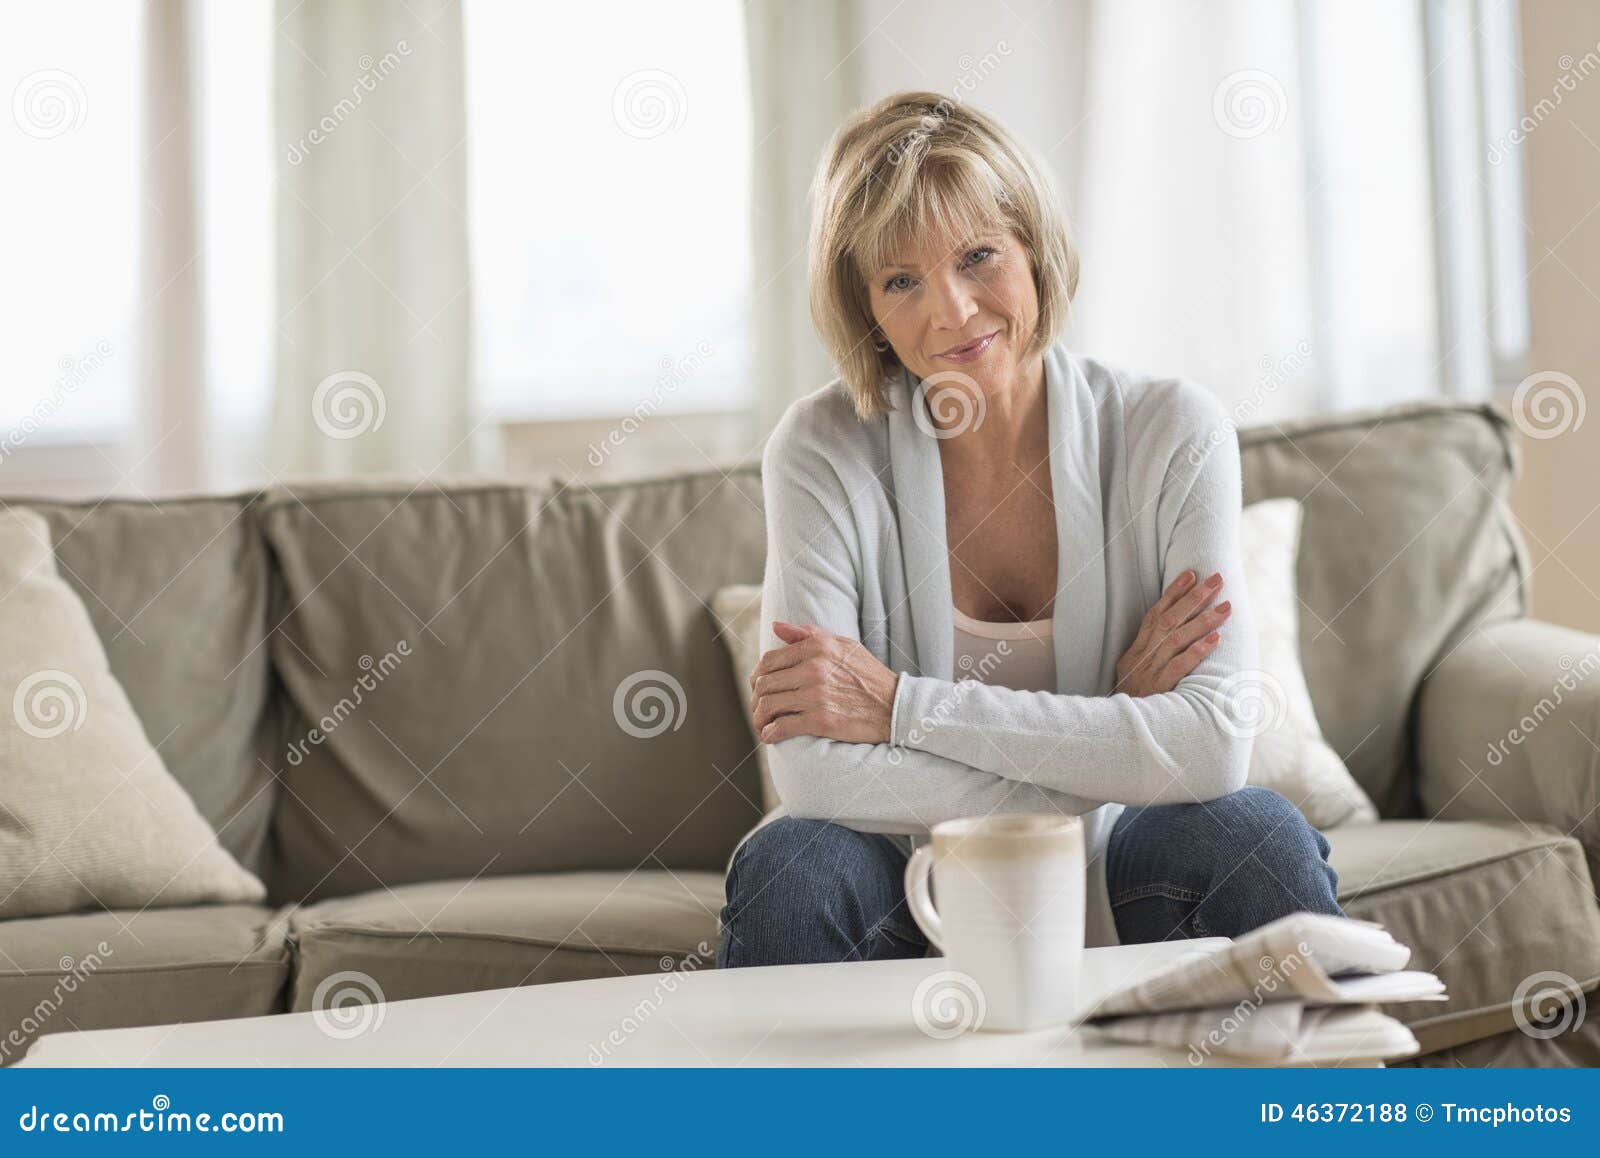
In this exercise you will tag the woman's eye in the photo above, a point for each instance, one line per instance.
(981, 254)
(896, 284)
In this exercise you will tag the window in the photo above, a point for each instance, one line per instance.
(75, 152)
(1375, 289)
(609, 207)
(69, 208)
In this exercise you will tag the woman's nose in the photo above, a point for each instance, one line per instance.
(952, 304)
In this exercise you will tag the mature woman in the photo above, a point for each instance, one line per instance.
(993, 572)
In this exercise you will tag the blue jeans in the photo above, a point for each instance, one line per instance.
(813, 891)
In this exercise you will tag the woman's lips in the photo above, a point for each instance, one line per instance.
(971, 350)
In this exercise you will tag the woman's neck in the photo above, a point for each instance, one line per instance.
(1013, 417)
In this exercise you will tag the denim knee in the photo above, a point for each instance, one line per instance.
(1274, 835)
(1270, 824)
(1216, 867)
(811, 890)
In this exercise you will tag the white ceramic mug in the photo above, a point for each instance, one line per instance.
(1010, 915)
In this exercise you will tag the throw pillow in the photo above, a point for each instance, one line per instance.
(1290, 756)
(89, 815)
(737, 611)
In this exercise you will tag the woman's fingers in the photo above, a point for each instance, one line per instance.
(1169, 597)
(1194, 600)
(1187, 660)
(1175, 635)
(1175, 589)
(767, 708)
(1180, 641)
(784, 727)
(1173, 642)
(1169, 610)
(1179, 638)
(785, 680)
(781, 658)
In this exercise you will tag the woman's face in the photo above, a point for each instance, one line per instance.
(961, 304)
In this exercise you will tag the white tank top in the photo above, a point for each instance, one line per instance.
(1012, 655)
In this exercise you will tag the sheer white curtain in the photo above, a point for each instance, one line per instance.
(1248, 180)
(1254, 201)
(170, 431)
(373, 289)
(805, 72)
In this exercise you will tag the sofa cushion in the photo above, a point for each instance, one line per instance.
(91, 817)
(1577, 1045)
(498, 932)
(177, 591)
(1486, 905)
(1406, 546)
(553, 694)
(113, 969)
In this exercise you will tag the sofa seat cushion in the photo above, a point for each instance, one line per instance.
(108, 970)
(496, 932)
(1576, 1046)
(1487, 905)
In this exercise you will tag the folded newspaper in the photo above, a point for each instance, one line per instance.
(1266, 994)
(1286, 1032)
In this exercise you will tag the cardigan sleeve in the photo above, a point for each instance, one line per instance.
(1182, 746)
(811, 577)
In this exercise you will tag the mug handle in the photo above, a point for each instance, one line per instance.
(918, 899)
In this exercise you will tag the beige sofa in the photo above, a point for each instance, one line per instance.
(471, 811)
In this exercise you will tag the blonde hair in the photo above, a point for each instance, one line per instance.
(914, 164)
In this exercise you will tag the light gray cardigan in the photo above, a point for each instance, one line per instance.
(1146, 482)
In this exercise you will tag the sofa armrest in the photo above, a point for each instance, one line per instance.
(1509, 729)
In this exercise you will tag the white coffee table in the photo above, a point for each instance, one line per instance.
(860, 1013)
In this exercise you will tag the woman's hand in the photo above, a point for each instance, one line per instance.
(1176, 634)
(821, 684)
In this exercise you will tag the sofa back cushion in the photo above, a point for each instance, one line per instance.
(177, 592)
(1406, 547)
(496, 679)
